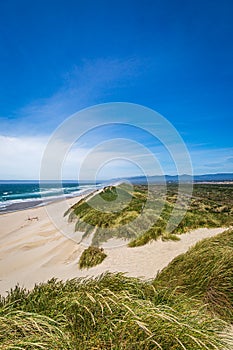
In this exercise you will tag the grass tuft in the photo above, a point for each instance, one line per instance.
(91, 256)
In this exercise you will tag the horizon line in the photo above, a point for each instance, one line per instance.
(117, 178)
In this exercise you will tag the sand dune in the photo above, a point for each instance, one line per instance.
(33, 251)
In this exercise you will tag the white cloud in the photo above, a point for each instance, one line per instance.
(20, 157)
(21, 154)
(117, 158)
(23, 137)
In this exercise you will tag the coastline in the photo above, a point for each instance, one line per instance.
(41, 202)
(33, 250)
(29, 203)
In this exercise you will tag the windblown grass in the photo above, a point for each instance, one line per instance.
(29, 330)
(91, 256)
(204, 272)
(109, 312)
(188, 306)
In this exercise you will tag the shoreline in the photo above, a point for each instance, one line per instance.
(42, 201)
(36, 203)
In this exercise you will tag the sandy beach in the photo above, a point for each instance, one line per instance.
(33, 250)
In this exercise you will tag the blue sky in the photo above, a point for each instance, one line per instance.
(58, 57)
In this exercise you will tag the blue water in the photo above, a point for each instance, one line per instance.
(21, 195)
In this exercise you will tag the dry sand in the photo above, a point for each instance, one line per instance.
(33, 251)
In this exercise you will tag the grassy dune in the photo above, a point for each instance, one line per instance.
(205, 272)
(188, 306)
(210, 206)
(111, 312)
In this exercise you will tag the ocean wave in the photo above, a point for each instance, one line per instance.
(3, 205)
(43, 192)
(16, 201)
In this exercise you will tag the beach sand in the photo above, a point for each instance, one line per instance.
(33, 250)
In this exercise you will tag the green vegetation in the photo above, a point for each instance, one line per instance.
(188, 306)
(109, 312)
(91, 256)
(105, 215)
(204, 272)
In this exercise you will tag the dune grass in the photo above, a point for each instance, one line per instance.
(210, 206)
(188, 306)
(108, 312)
(206, 273)
(91, 256)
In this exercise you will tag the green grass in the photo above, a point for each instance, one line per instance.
(206, 273)
(188, 306)
(91, 256)
(109, 312)
(210, 206)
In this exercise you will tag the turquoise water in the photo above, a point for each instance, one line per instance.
(21, 195)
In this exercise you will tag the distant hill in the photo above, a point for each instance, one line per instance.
(214, 177)
(221, 177)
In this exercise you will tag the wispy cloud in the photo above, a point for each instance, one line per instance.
(83, 86)
(215, 160)
(23, 139)
(21, 159)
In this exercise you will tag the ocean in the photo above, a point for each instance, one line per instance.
(19, 195)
